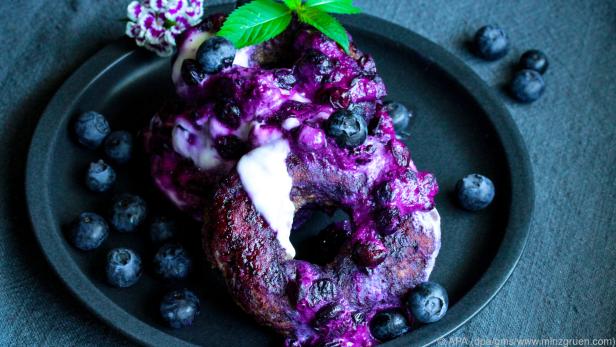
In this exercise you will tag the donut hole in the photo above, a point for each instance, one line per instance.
(317, 236)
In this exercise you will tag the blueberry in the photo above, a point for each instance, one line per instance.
(369, 254)
(229, 113)
(88, 231)
(192, 73)
(231, 147)
(475, 192)
(534, 60)
(284, 78)
(399, 114)
(163, 229)
(527, 86)
(321, 290)
(172, 262)
(180, 308)
(349, 129)
(389, 324)
(491, 42)
(215, 54)
(123, 267)
(428, 302)
(325, 314)
(100, 176)
(128, 212)
(91, 128)
(119, 146)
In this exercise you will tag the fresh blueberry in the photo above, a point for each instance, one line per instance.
(349, 129)
(128, 212)
(192, 73)
(100, 176)
(215, 54)
(180, 308)
(399, 114)
(229, 113)
(119, 146)
(89, 231)
(475, 192)
(369, 254)
(91, 128)
(389, 324)
(428, 302)
(172, 262)
(527, 86)
(534, 60)
(491, 42)
(230, 147)
(123, 267)
(163, 229)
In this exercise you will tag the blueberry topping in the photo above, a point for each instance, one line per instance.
(119, 146)
(534, 60)
(326, 314)
(322, 63)
(229, 113)
(349, 129)
(215, 54)
(91, 128)
(192, 73)
(527, 86)
(88, 231)
(172, 262)
(475, 192)
(163, 229)
(180, 308)
(128, 212)
(399, 114)
(100, 176)
(230, 147)
(491, 42)
(322, 290)
(284, 79)
(428, 302)
(388, 220)
(123, 267)
(389, 324)
(369, 254)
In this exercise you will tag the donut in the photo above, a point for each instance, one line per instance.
(254, 149)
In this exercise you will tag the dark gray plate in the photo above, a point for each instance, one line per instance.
(461, 127)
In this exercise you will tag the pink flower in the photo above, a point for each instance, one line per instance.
(154, 24)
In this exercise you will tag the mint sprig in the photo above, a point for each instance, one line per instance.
(261, 20)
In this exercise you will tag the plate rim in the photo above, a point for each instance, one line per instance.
(476, 299)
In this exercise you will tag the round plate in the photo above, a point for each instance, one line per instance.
(461, 127)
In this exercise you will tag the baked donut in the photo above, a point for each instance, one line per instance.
(272, 127)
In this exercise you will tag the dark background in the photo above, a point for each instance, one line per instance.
(565, 284)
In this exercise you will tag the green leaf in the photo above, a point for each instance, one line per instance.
(333, 6)
(255, 22)
(326, 24)
(293, 4)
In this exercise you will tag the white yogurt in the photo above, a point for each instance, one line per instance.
(264, 175)
(194, 144)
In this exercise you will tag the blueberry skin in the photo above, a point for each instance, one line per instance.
(428, 302)
(128, 212)
(534, 60)
(172, 262)
(475, 192)
(180, 308)
(399, 114)
(215, 54)
(91, 128)
(192, 73)
(123, 267)
(389, 324)
(527, 86)
(491, 42)
(88, 231)
(119, 146)
(349, 129)
(163, 229)
(100, 176)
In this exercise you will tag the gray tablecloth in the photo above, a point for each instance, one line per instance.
(565, 285)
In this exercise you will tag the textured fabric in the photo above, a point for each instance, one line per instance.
(564, 286)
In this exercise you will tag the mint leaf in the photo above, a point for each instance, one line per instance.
(333, 6)
(293, 4)
(255, 22)
(326, 24)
